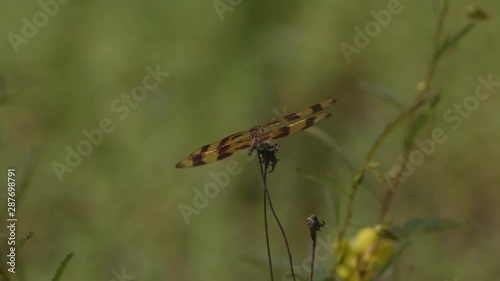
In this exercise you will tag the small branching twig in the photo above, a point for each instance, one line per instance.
(421, 97)
(417, 119)
(369, 159)
(420, 100)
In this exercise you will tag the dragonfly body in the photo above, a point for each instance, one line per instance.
(256, 136)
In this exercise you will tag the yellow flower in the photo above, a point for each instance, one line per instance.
(360, 258)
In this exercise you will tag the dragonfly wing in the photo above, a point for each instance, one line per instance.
(295, 127)
(310, 110)
(213, 155)
(237, 137)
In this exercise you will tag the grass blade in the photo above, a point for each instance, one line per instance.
(62, 267)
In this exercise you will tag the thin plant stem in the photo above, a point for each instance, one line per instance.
(315, 225)
(265, 225)
(312, 260)
(394, 183)
(410, 113)
(391, 189)
(434, 60)
(369, 158)
(263, 172)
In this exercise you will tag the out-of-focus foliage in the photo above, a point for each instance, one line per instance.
(120, 207)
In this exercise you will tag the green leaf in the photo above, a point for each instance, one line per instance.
(358, 178)
(420, 122)
(62, 267)
(435, 101)
(452, 41)
(381, 92)
(389, 129)
(430, 225)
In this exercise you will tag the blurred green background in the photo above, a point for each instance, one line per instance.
(119, 208)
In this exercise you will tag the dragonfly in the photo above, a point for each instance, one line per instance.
(256, 136)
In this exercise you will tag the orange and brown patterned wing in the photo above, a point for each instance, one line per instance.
(294, 127)
(237, 137)
(210, 156)
(242, 140)
(310, 110)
